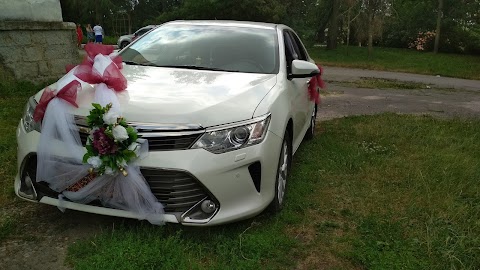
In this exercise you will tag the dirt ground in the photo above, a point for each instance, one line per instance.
(45, 233)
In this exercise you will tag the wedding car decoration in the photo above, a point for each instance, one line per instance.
(316, 82)
(111, 144)
(104, 168)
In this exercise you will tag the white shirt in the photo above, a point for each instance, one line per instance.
(98, 30)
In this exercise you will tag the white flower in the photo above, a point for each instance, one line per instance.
(119, 133)
(135, 147)
(110, 117)
(108, 170)
(95, 161)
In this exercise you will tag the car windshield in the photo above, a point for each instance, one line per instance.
(208, 47)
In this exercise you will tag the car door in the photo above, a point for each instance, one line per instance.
(301, 104)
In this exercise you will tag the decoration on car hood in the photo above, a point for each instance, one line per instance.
(106, 171)
(67, 93)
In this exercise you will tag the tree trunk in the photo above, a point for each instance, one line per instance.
(129, 17)
(439, 24)
(370, 35)
(348, 29)
(333, 29)
(98, 13)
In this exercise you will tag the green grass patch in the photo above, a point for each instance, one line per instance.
(373, 192)
(13, 98)
(401, 60)
(8, 225)
(245, 245)
(376, 83)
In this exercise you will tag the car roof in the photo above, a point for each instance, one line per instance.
(228, 23)
(149, 26)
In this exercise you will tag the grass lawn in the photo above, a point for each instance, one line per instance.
(402, 60)
(373, 192)
(370, 192)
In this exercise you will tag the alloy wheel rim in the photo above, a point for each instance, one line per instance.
(282, 173)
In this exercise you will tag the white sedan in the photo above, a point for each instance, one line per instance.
(224, 105)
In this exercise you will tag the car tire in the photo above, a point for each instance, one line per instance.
(124, 44)
(311, 130)
(283, 171)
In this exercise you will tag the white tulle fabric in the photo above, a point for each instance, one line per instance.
(60, 153)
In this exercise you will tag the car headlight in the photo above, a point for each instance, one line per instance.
(27, 120)
(235, 136)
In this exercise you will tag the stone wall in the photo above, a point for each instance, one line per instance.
(31, 10)
(37, 51)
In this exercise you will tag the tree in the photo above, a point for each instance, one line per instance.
(439, 25)
(351, 5)
(333, 25)
(372, 18)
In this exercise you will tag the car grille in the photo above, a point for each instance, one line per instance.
(160, 137)
(178, 191)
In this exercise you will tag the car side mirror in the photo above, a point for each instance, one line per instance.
(303, 69)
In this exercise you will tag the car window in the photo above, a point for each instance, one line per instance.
(300, 50)
(235, 49)
(297, 46)
(142, 31)
(290, 53)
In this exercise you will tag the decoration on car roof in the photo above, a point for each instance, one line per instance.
(106, 171)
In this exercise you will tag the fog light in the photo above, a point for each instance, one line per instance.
(201, 213)
(208, 206)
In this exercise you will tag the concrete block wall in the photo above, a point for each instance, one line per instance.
(37, 51)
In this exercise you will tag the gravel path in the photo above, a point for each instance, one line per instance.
(47, 232)
(462, 100)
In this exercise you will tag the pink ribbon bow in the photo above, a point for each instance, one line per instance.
(111, 75)
(67, 93)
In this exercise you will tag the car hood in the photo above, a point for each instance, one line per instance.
(184, 96)
(126, 36)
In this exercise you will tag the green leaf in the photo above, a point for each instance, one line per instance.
(97, 106)
(86, 157)
(128, 155)
(89, 148)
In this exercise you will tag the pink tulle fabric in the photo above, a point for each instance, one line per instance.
(60, 150)
(316, 82)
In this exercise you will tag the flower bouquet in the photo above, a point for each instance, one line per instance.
(112, 143)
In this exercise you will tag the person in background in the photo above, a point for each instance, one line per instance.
(79, 36)
(98, 30)
(90, 34)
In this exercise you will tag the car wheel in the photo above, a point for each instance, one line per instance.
(283, 171)
(123, 44)
(311, 130)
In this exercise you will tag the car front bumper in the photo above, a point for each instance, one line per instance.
(227, 178)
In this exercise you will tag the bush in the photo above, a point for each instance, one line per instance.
(110, 40)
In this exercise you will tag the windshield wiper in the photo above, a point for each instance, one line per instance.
(196, 67)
